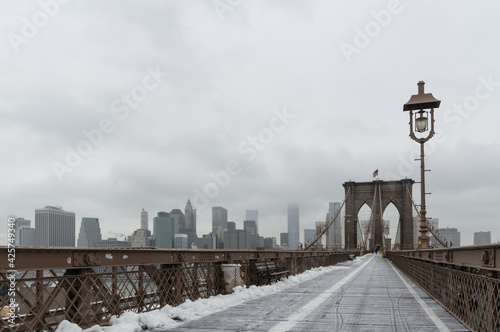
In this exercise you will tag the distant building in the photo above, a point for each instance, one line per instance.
(482, 238)
(112, 242)
(449, 235)
(237, 239)
(25, 236)
(208, 241)
(19, 223)
(269, 243)
(190, 217)
(54, 227)
(309, 235)
(163, 230)
(181, 241)
(334, 233)
(250, 226)
(256, 241)
(179, 220)
(320, 226)
(90, 232)
(142, 238)
(219, 218)
(283, 239)
(253, 215)
(231, 226)
(144, 219)
(293, 226)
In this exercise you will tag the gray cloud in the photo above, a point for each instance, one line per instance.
(225, 80)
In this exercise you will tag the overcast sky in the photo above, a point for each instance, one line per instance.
(110, 107)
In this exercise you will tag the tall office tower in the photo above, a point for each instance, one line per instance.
(334, 233)
(219, 218)
(309, 235)
(179, 218)
(19, 223)
(90, 232)
(253, 215)
(482, 238)
(163, 230)
(54, 227)
(190, 225)
(190, 217)
(144, 219)
(293, 226)
(250, 226)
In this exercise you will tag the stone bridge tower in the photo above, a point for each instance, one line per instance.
(382, 193)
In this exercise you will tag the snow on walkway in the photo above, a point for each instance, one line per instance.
(169, 317)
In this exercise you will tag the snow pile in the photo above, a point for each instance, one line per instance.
(168, 316)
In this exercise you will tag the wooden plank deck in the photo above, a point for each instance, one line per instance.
(367, 294)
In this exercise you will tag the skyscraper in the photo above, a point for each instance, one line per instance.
(253, 215)
(179, 220)
(190, 217)
(188, 223)
(293, 226)
(250, 226)
(482, 238)
(163, 230)
(334, 233)
(219, 218)
(90, 232)
(54, 227)
(144, 219)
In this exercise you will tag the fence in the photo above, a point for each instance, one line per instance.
(87, 286)
(464, 280)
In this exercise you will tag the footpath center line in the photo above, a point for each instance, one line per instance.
(297, 317)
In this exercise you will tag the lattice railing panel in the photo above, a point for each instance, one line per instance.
(474, 299)
(92, 295)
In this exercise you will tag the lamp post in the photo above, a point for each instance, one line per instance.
(418, 106)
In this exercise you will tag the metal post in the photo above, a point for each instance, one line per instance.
(424, 239)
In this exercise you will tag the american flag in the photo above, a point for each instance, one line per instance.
(375, 174)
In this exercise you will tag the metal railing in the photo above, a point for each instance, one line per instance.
(88, 286)
(464, 280)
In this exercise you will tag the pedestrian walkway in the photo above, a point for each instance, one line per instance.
(367, 294)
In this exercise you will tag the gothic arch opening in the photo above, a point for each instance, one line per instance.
(391, 219)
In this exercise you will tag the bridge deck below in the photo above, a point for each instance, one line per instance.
(367, 294)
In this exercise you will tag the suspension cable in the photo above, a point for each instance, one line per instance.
(329, 224)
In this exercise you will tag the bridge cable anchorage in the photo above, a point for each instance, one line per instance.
(329, 224)
(443, 243)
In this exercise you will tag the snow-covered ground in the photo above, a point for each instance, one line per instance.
(168, 316)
